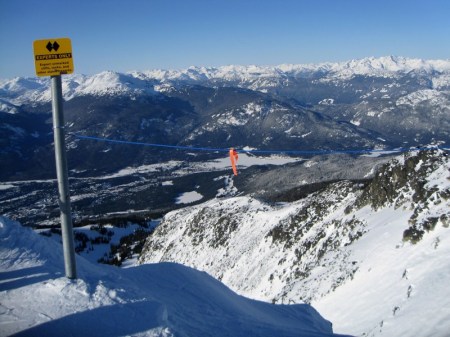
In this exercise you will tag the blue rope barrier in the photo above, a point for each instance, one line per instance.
(301, 152)
(151, 144)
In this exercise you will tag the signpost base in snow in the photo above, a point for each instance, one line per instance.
(63, 179)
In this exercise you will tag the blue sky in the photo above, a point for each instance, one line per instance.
(124, 35)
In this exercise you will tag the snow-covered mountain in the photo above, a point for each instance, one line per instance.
(35, 90)
(259, 78)
(262, 78)
(160, 300)
(380, 246)
(384, 102)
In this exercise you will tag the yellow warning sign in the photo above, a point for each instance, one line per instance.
(53, 57)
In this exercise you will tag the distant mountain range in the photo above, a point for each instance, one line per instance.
(258, 78)
(367, 103)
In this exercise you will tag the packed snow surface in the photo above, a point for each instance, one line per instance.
(188, 197)
(165, 299)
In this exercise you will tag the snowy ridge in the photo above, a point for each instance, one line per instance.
(385, 66)
(371, 66)
(260, 78)
(161, 300)
(112, 83)
(31, 90)
(20, 90)
(380, 245)
(435, 97)
(8, 107)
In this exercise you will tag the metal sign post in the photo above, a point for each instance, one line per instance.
(63, 178)
(53, 57)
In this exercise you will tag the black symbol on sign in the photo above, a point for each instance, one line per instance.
(52, 46)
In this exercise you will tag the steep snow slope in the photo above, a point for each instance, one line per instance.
(382, 248)
(400, 289)
(153, 300)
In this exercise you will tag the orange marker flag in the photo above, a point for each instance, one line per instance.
(234, 157)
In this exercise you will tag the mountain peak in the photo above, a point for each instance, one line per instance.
(113, 83)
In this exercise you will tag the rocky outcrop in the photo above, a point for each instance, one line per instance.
(405, 182)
